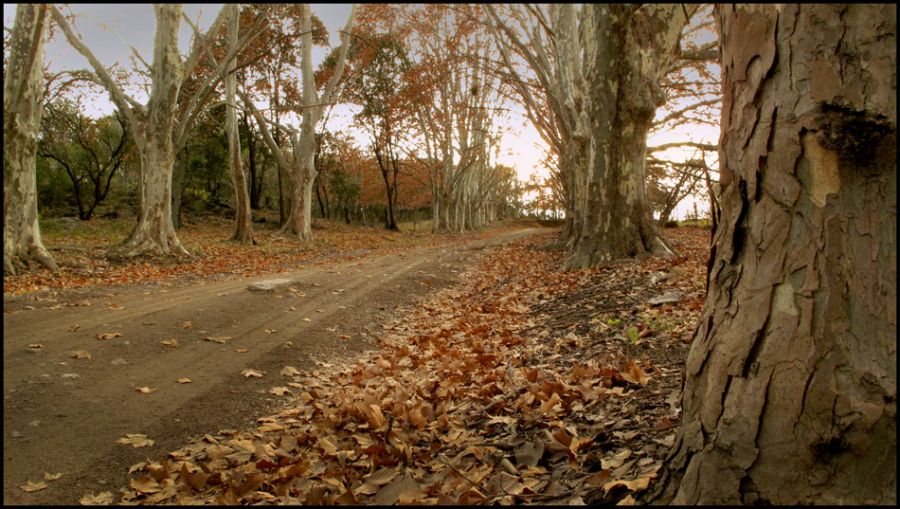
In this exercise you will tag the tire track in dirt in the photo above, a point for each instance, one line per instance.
(69, 424)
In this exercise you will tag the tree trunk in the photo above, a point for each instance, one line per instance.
(631, 51)
(179, 180)
(790, 392)
(23, 91)
(154, 232)
(243, 228)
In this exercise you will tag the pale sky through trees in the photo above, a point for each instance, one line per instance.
(110, 30)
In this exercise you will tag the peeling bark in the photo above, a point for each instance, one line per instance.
(632, 50)
(790, 392)
(23, 89)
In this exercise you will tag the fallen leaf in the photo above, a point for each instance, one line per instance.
(73, 328)
(634, 374)
(185, 325)
(307, 320)
(51, 477)
(635, 485)
(145, 484)
(33, 486)
(116, 306)
(103, 498)
(530, 453)
(35, 346)
(251, 373)
(135, 440)
(184, 380)
(280, 391)
(289, 371)
(80, 354)
(241, 350)
(344, 336)
(56, 307)
(270, 331)
(373, 482)
(217, 339)
(171, 343)
(145, 390)
(109, 335)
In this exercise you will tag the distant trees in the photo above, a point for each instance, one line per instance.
(298, 164)
(161, 126)
(22, 108)
(589, 78)
(376, 84)
(89, 152)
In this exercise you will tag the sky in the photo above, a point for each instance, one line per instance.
(111, 30)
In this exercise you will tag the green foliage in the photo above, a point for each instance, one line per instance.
(633, 334)
(80, 155)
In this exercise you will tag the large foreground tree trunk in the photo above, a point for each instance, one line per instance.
(23, 97)
(631, 49)
(790, 392)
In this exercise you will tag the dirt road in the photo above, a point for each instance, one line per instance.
(63, 415)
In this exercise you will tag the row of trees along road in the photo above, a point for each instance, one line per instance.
(790, 389)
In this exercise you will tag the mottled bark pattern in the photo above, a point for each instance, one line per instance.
(23, 90)
(633, 49)
(154, 232)
(790, 392)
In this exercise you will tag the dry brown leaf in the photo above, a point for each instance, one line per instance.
(135, 440)
(80, 354)
(635, 485)
(171, 343)
(145, 390)
(280, 391)
(51, 477)
(73, 328)
(373, 482)
(103, 498)
(241, 350)
(251, 373)
(35, 346)
(116, 306)
(183, 380)
(374, 416)
(109, 335)
(145, 484)
(307, 320)
(289, 371)
(33, 486)
(634, 374)
(344, 336)
(270, 331)
(185, 325)
(217, 339)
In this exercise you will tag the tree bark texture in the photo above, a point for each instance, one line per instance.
(790, 392)
(243, 228)
(23, 91)
(154, 233)
(631, 52)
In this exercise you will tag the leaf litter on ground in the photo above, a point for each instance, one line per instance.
(521, 385)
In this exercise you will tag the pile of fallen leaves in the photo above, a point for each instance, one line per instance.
(82, 251)
(525, 384)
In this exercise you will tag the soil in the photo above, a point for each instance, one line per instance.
(63, 415)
